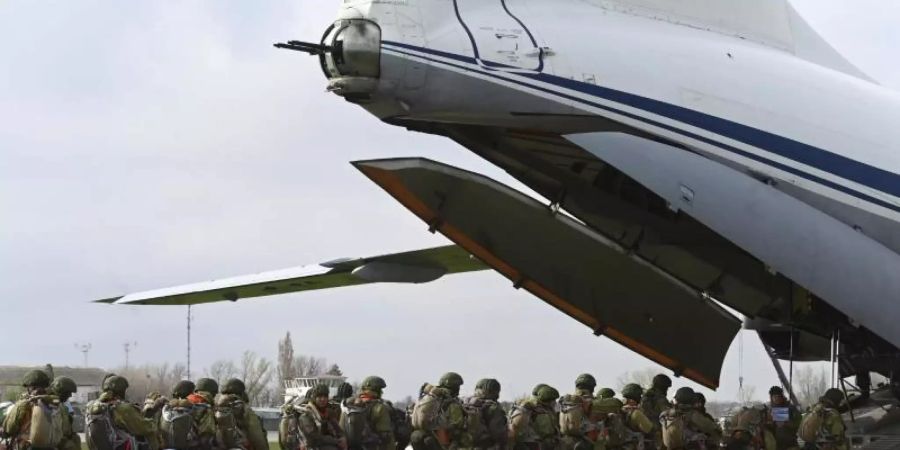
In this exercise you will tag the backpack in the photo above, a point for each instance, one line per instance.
(45, 422)
(477, 421)
(573, 415)
(176, 426)
(811, 425)
(402, 427)
(356, 424)
(230, 414)
(100, 429)
(431, 411)
(289, 428)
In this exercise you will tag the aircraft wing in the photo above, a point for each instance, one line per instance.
(419, 266)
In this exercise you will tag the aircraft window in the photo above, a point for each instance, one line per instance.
(356, 49)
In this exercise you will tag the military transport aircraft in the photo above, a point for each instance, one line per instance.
(693, 154)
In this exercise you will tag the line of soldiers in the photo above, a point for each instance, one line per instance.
(641, 420)
(203, 417)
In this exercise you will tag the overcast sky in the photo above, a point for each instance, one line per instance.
(149, 144)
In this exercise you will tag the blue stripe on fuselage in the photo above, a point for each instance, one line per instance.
(824, 160)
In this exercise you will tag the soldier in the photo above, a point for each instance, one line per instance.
(344, 391)
(533, 423)
(635, 419)
(783, 420)
(575, 411)
(19, 420)
(700, 405)
(683, 427)
(486, 419)
(238, 426)
(203, 398)
(366, 418)
(823, 427)
(63, 388)
(654, 402)
(176, 418)
(438, 419)
(749, 430)
(112, 421)
(319, 429)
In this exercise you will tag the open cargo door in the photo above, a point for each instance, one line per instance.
(564, 263)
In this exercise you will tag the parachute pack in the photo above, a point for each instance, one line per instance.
(811, 425)
(230, 414)
(45, 422)
(477, 419)
(177, 426)
(357, 425)
(431, 412)
(100, 428)
(573, 415)
(402, 427)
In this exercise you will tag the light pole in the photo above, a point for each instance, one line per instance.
(128, 345)
(84, 349)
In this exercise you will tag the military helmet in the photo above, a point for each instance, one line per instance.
(36, 379)
(320, 390)
(699, 398)
(633, 391)
(662, 382)
(585, 381)
(345, 390)
(547, 394)
(451, 380)
(833, 396)
(373, 383)
(488, 387)
(116, 385)
(685, 396)
(208, 385)
(776, 390)
(537, 388)
(234, 387)
(64, 386)
(183, 388)
(606, 393)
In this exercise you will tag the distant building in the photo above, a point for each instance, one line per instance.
(88, 380)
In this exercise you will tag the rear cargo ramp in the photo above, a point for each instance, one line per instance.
(565, 264)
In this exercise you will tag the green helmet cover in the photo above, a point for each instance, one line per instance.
(606, 393)
(234, 387)
(451, 380)
(833, 396)
(699, 398)
(632, 391)
(183, 388)
(547, 394)
(208, 385)
(36, 379)
(585, 381)
(116, 385)
(662, 382)
(64, 386)
(373, 383)
(685, 396)
(488, 387)
(537, 388)
(320, 390)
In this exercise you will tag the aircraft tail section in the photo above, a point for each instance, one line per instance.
(771, 22)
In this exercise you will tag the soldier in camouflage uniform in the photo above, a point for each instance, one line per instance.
(832, 432)
(534, 423)
(446, 427)
(783, 420)
(16, 424)
(249, 424)
(487, 424)
(203, 398)
(64, 387)
(574, 419)
(606, 393)
(654, 402)
(126, 416)
(319, 428)
(694, 430)
(635, 419)
(366, 418)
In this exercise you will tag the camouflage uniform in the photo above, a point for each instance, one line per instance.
(635, 419)
(379, 427)
(64, 387)
(319, 428)
(533, 423)
(17, 423)
(250, 424)
(832, 434)
(203, 398)
(654, 402)
(583, 435)
(699, 431)
(750, 432)
(451, 431)
(483, 407)
(784, 432)
(126, 416)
